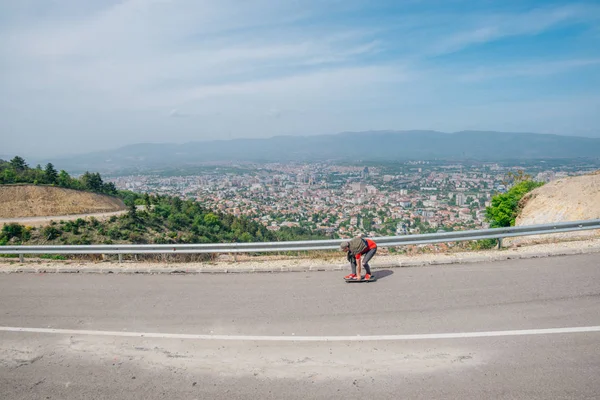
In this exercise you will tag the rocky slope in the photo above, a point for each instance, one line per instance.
(18, 201)
(565, 199)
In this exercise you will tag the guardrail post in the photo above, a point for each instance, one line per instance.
(120, 258)
(499, 243)
(21, 259)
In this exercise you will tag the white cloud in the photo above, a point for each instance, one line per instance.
(539, 69)
(329, 83)
(136, 50)
(486, 28)
(253, 67)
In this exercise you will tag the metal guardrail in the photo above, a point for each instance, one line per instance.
(387, 241)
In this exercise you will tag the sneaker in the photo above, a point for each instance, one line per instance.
(368, 277)
(351, 276)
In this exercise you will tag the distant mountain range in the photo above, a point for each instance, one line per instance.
(348, 146)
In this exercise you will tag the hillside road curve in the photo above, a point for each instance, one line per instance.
(504, 330)
(39, 221)
(45, 220)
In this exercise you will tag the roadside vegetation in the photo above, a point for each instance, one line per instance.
(505, 207)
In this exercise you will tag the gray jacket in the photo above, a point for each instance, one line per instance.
(357, 246)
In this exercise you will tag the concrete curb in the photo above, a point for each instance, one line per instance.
(193, 270)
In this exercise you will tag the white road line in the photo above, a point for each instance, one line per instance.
(357, 338)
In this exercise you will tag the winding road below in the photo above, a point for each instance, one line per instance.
(37, 221)
(45, 220)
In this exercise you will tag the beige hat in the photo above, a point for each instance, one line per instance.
(344, 245)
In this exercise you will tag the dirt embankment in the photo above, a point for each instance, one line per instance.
(40, 201)
(565, 199)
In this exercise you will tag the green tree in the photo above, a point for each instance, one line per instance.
(64, 179)
(110, 188)
(211, 219)
(177, 203)
(92, 182)
(367, 223)
(19, 164)
(9, 176)
(246, 237)
(147, 201)
(132, 212)
(178, 221)
(50, 174)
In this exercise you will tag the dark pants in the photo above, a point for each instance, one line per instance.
(365, 257)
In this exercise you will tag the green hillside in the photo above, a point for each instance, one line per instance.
(150, 219)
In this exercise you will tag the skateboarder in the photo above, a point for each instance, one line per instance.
(356, 249)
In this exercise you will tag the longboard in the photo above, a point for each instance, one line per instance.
(373, 279)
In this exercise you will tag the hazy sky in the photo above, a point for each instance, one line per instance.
(77, 76)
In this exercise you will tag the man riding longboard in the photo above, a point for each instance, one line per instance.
(359, 251)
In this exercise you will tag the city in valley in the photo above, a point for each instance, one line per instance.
(349, 200)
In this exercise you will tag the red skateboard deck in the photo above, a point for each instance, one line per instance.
(373, 279)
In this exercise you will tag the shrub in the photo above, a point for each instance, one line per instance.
(72, 227)
(113, 233)
(505, 207)
(14, 232)
(137, 238)
(51, 233)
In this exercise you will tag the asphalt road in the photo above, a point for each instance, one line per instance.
(326, 318)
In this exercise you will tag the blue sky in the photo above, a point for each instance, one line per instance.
(78, 76)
